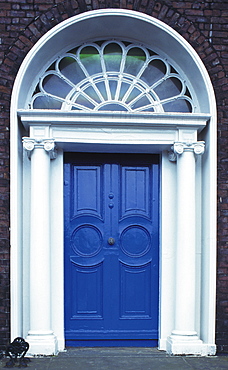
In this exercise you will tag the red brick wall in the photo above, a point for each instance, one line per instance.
(203, 24)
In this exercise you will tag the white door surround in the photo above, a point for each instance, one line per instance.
(187, 146)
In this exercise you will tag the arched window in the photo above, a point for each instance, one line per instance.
(112, 76)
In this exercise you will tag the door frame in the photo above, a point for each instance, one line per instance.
(129, 137)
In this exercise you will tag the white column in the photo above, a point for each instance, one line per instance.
(184, 338)
(40, 336)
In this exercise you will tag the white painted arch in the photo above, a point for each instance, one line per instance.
(156, 133)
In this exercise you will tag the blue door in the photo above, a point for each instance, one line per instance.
(111, 249)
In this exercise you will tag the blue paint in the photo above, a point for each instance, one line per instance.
(111, 249)
(112, 343)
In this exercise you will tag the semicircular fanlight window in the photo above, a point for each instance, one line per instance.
(112, 76)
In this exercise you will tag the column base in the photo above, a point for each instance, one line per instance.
(42, 345)
(189, 345)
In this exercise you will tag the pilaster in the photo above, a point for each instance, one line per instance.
(40, 337)
(184, 338)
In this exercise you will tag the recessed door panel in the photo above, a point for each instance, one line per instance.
(86, 192)
(87, 292)
(135, 190)
(111, 248)
(135, 291)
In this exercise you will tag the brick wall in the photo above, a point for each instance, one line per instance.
(203, 24)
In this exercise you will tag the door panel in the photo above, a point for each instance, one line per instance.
(135, 291)
(111, 247)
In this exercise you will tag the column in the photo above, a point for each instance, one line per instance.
(40, 336)
(184, 338)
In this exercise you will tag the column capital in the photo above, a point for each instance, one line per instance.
(48, 145)
(179, 148)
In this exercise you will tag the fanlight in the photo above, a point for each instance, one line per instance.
(112, 76)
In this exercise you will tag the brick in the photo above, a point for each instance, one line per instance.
(194, 12)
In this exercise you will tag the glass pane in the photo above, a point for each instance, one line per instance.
(70, 69)
(187, 93)
(169, 88)
(113, 107)
(101, 87)
(135, 59)
(46, 102)
(112, 57)
(90, 58)
(148, 109)
(135, 92)
(155, 70)
(92, 94)
(82, 100)
(123, 89)
(179, 105)
(113, 86)
(141, 103)
(55, 85)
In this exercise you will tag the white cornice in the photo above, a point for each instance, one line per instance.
(112, 128)
(113, 119)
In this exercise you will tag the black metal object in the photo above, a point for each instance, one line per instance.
(17, 351)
